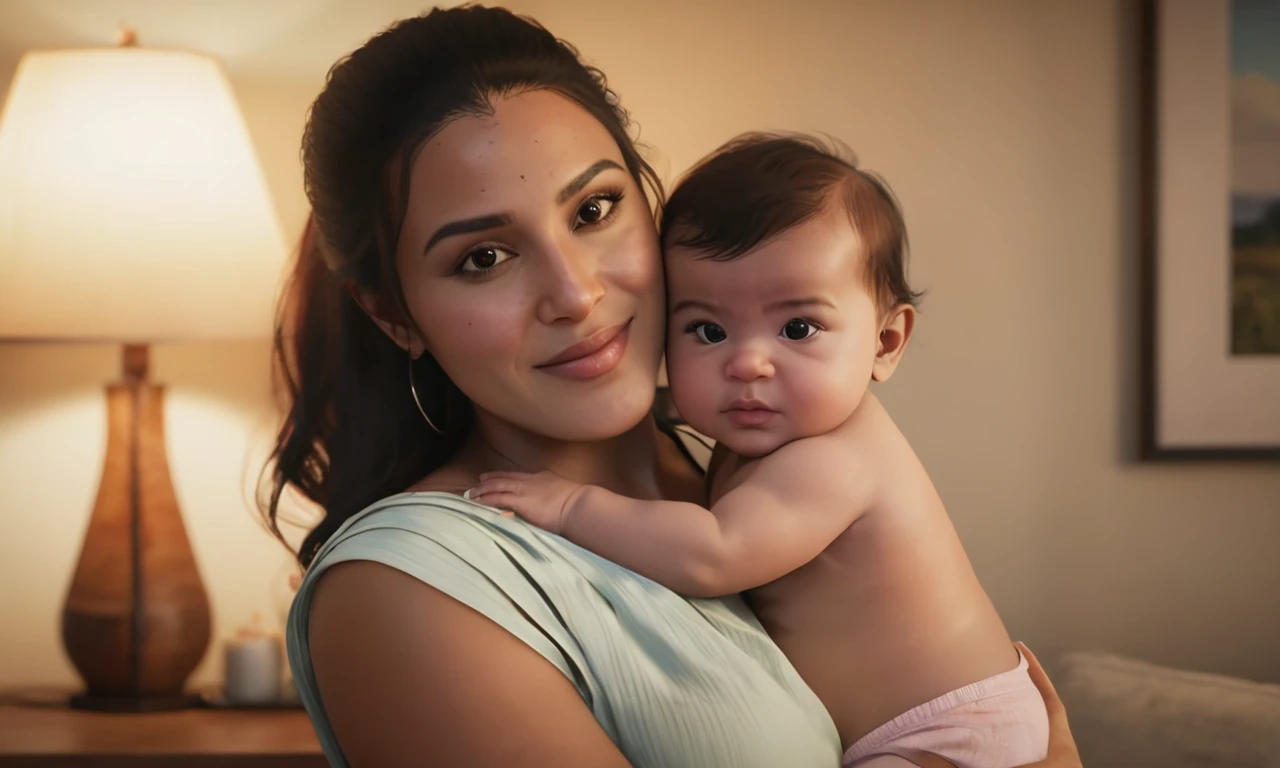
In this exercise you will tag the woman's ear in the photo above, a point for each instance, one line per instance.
(894, 334)
(388, 318)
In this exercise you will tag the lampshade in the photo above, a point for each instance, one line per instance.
(132, 206)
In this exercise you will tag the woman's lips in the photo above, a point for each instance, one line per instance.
(594, 356)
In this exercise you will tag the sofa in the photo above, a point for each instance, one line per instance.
(1127, 713)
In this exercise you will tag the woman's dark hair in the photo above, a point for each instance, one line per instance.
(352, 434)
(758, 185)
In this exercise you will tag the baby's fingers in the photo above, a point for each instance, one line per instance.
(507, 503)
(491, 485)
(501, 475)
(499, 500)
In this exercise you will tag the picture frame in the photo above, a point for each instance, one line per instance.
(1210, 265)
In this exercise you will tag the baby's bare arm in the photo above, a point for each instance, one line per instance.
(793, 504)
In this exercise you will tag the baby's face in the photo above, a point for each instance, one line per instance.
(777, 344)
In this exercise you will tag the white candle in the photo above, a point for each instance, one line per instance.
(254, 667)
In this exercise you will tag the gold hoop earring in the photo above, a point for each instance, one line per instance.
(413, 390)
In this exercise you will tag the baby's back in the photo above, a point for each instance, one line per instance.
(890, 615)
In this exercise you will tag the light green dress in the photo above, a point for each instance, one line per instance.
(673, 681)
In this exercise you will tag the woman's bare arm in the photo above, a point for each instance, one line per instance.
(411, 677)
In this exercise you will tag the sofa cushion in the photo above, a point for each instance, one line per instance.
(1133, 714)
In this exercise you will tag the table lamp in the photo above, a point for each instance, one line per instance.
(132, 210)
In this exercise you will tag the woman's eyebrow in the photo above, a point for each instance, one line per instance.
(466, 227)
(481, 223)
(582, 179)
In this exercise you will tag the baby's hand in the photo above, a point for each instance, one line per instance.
(544, 499)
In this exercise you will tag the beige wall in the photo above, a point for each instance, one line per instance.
(1008, 131)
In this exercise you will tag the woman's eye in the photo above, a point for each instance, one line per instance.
(709, 333)
(797, 329)
(484, 258)
(595, 210)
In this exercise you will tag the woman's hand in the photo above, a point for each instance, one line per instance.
(1062, 748)
(544, 499)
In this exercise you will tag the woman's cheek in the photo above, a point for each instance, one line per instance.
(632, 270)
(470, 333)
(634, 260)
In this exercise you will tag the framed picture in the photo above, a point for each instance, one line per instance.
(1211, 229)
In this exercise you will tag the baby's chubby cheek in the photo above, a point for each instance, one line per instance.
(826, 400)
(695, 392)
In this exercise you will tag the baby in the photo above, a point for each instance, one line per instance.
(788, 296)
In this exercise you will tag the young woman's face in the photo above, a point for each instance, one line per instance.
(530, 263)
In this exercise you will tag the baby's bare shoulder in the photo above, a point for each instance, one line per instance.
(822, 470)
(846, 466)
(860, 439)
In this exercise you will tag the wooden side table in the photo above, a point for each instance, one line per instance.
(57, 737)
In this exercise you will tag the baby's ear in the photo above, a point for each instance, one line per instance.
(895, 331)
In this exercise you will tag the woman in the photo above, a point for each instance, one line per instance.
(481, 289)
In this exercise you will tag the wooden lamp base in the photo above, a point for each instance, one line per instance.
(136, 619)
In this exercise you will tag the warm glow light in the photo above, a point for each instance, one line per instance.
(132, 206)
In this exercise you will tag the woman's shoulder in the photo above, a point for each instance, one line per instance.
(452, 544)
(423, 513)
(406, 670)
(453, 478)
(643, 659)
(455, 555)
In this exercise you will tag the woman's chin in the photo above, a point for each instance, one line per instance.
(598, 414)
(605, 421)
(578, 411)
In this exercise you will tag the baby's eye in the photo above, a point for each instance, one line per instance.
(484, 258)
(797, 330)
(709, 333)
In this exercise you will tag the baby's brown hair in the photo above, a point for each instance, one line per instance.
(759, 185)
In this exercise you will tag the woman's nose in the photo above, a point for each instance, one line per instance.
(572, 287)
(749, 362)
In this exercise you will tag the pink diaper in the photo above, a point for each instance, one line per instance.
(999, 722)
